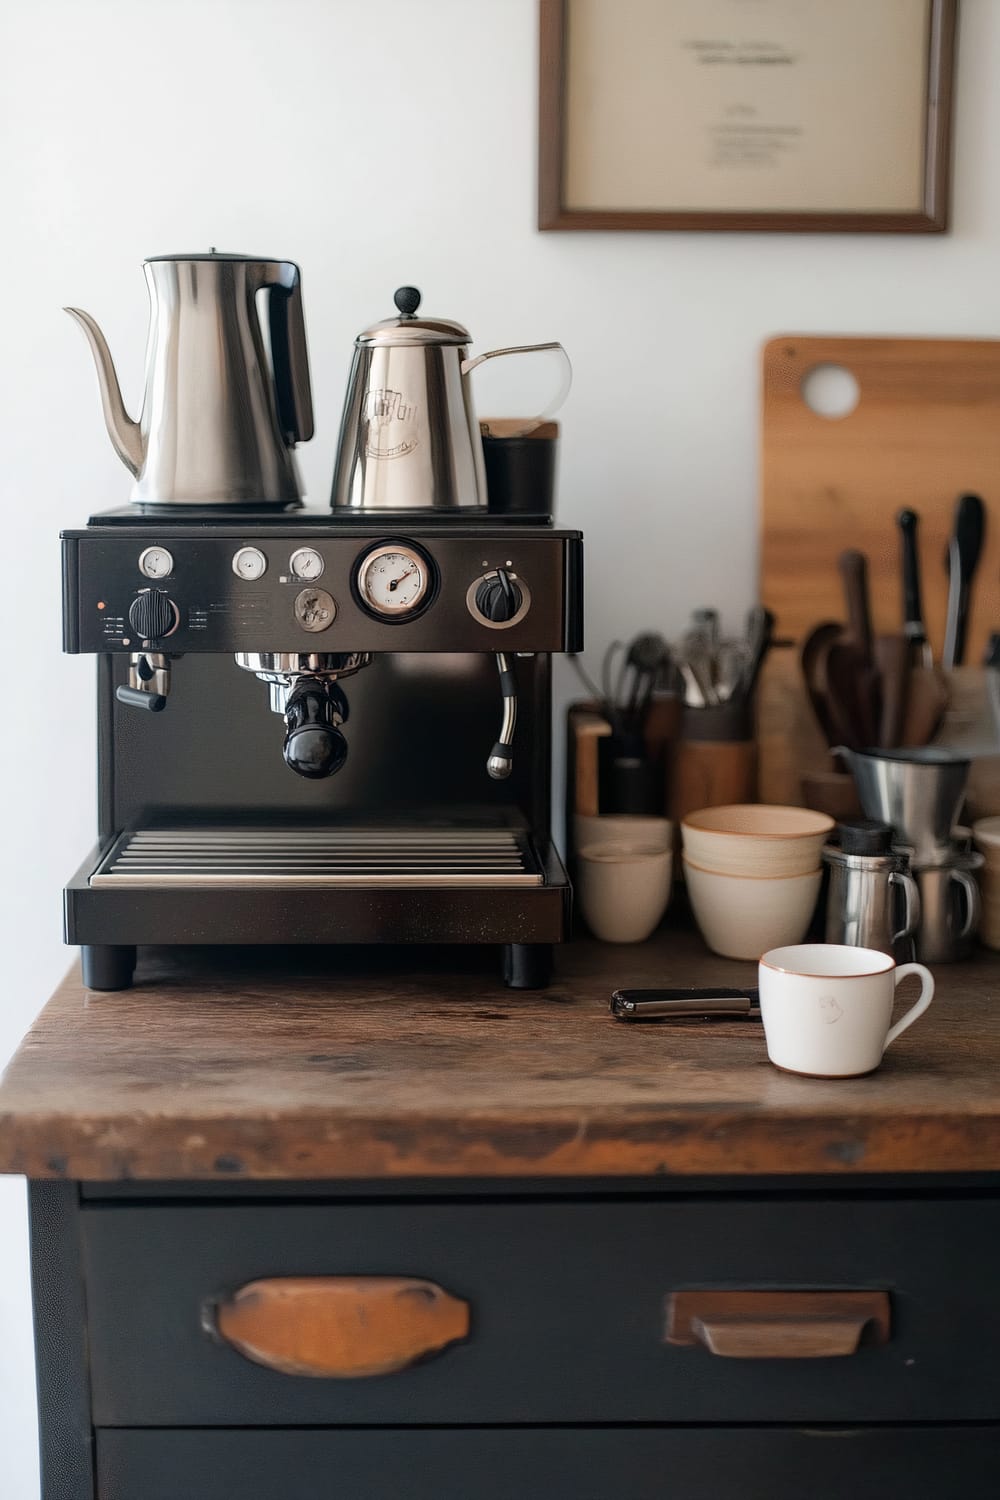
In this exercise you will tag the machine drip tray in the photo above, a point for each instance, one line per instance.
(297, 857)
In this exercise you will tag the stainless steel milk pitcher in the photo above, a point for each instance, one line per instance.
(409, 436)
(218, 421)
(873, 900)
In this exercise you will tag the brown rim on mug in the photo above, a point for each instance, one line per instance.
(887, 967)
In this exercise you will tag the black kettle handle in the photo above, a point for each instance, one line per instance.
(289, 355)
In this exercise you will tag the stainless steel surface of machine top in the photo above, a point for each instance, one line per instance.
(364, 793)
(218, 421)
(409, 436)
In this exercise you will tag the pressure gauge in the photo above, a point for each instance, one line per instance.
(156, 562)
(393, 581)
(249, 563)
(306, 563)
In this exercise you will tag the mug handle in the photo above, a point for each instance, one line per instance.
(917, 1009)
(911, 904)
(972, 905)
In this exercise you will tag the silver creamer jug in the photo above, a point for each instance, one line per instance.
(409, 437)
(873, 900)
(219, 420)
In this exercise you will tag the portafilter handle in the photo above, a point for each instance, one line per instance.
(314, 746)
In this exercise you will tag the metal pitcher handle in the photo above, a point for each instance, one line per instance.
(911, 904)
(971, 889)
(561, 393)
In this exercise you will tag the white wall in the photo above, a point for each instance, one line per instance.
(376, 144)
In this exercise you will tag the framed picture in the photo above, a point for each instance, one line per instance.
(745, 114)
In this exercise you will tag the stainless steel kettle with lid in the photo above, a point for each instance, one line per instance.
(409, 437)
(218, 420)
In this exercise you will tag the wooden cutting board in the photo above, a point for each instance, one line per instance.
(926, 429)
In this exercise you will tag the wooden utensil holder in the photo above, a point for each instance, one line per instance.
(696, 773)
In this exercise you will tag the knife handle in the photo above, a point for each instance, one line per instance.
(854, 573)
(963, 556)
(913, 613)
(653, 1005)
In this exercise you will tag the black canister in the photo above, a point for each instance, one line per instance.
(520, 469)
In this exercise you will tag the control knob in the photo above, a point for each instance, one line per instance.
(498, 597)
(153, 614)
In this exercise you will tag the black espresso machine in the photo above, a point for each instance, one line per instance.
(223, 675)
(318, 727)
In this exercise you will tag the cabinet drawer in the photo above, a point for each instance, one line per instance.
(566, 1310)
(573, 1464)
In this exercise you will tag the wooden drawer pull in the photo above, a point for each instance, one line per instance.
(778, 1325)
(338, 1327)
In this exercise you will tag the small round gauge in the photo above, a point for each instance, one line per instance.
(306, 563)
(393, 581)
(249, 563)
(156, 562)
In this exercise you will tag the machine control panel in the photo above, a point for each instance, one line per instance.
(215, 589)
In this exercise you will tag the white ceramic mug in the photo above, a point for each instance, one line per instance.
(827, 1007)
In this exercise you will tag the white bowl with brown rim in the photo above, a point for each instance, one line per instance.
(753, 838)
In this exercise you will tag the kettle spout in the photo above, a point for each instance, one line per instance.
(124, 433)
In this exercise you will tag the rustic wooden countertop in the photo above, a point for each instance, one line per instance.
(374, 1063)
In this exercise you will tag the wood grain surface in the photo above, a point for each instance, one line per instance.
(926, 429)
(340, 1063)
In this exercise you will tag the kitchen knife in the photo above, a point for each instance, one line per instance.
(718, 1004)
(964, 549)
(913, 615)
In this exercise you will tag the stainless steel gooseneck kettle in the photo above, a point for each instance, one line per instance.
(218, 423)
(409, 437)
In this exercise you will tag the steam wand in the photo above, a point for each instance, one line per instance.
(501, 757)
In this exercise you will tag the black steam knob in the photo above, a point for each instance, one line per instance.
(152, 615)
(407, 299)
(498, 598)
(314, 746)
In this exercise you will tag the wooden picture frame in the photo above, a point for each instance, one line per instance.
(924, 135)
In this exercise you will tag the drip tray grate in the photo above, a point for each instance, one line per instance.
(318, 857)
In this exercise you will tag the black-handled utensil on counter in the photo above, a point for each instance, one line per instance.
(913, 614)
(718, 1004)
(964, 550)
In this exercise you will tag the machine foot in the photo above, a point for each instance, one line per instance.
(107, 966)
(527, 966)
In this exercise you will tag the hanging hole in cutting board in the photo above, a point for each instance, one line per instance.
(830, 391)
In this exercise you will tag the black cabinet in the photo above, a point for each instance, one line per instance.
(565, 1386)
(721, 1463)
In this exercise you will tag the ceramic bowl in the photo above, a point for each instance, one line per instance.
(756, 839)
(623, 890)
(633, 829)
(742, 916)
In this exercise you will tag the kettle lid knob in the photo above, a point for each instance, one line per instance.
(407, 299)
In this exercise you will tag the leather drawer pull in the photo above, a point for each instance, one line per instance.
(338, 1327)
(778, 1325)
